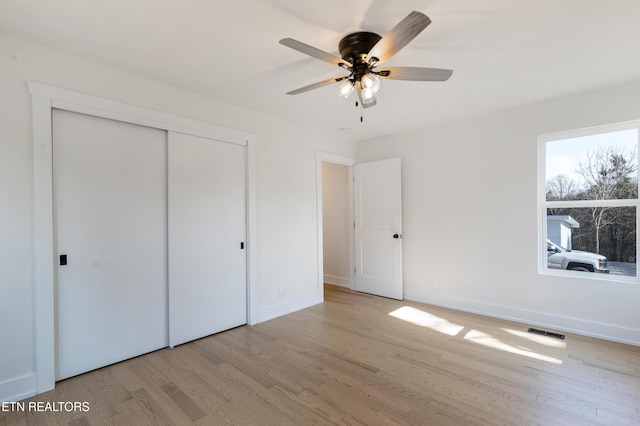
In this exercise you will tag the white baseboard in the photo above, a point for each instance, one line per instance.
(22, 387)
(279, 309)
(630, 336)
(339, 281)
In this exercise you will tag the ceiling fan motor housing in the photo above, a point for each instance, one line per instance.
(355, 47)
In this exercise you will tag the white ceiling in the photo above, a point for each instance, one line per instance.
(504, 53)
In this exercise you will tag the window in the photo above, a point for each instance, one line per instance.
(588, 199)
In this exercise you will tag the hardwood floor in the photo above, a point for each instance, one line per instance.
(360, 360)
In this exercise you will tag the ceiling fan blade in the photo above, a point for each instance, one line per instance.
(316, 85)
(398, 37)
(315, 52)
(415, 73)
(366, 103)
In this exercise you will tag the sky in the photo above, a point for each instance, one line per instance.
(563, 156)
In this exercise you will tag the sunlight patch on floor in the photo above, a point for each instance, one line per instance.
(543, 340)
(485, 339)
(425, 319)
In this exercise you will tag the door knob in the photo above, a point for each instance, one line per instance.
(396, 236)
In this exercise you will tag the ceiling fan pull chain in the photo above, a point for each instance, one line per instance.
(357, 104)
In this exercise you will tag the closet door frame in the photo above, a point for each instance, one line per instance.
(44, 99)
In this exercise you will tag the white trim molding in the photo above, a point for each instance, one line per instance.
(18, 388)
(335, 280)
(44, 99)
(629, 336)
(276, 310)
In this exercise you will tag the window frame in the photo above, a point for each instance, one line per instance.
(543, 204)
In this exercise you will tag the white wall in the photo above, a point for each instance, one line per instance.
(470, 217)
(335, 219)
(285, 175)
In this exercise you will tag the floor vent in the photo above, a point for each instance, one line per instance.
(546, 333)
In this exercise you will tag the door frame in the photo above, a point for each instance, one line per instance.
(322, 157)
(44, 99)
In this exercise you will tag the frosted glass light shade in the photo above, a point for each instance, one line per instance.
(345, 88)
(370, 81)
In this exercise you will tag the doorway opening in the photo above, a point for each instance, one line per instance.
(335, 221)
(335, 224)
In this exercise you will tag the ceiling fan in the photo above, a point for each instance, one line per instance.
(363, 52)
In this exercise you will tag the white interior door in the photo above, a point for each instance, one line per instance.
(378, 228)
(207, 234)
(110, 196)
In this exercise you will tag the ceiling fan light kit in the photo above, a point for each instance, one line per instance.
(345, 88)
(363, 52)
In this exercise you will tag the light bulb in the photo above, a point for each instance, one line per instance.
(370, 81)
(367, 94)
(345, 87)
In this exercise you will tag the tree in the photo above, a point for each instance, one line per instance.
(608, 173)
(561, 187)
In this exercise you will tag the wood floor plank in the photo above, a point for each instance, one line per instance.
(359, 359)
(153, 410)
(243, 391)
(181, 399)
(130, 413)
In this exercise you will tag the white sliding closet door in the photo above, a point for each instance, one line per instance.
(207, 228)
(110, 212)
